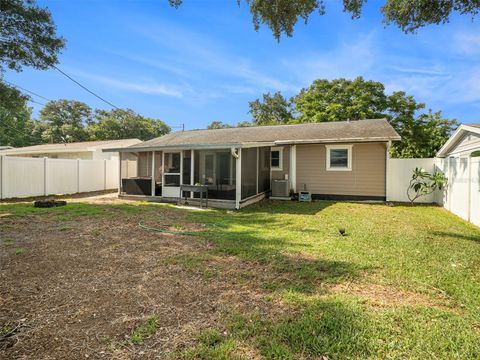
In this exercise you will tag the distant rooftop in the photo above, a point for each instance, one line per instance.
(339, 131)
(70, 147)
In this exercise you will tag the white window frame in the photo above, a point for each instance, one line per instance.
(349, 159)
(280, 158)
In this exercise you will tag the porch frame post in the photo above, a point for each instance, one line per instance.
(119, 172)
(238, 179)
(192, 169)
(181, 174)
(163, 171)
(153, 173)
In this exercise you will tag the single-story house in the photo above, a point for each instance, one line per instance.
(238, 166)
(464, 141)
(86, 150)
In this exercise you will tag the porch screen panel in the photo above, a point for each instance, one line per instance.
(263, 169)
(215, 169)
(136, 174)
(249, 172)
(186, 171)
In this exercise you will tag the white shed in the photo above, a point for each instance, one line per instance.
(85, 150)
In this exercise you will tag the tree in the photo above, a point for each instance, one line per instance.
(15, 123)
(124, 124)
(423, 183)
(273, 110)
(27, 36)
(64, 121)
(244, 123)
(340, 99)
(423, 134)
(218, 125)
(337, 100)
(281, 16)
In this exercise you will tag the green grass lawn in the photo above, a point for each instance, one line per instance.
(403, 283)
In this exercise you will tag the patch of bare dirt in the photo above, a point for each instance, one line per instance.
(79, 287)
(381, 295)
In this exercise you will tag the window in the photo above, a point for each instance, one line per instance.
(339, 157)
(276, 158)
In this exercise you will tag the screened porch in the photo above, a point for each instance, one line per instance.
(229, 176)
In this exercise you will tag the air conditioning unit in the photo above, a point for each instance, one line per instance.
(280, 189)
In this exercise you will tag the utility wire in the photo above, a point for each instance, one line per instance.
(29, 91)
(36, 102)
(84, 87)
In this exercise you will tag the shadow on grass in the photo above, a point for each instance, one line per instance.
(325, 329)
(475, 238)
(288, 207)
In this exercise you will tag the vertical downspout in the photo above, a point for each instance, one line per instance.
(293, 168)
(256, 171)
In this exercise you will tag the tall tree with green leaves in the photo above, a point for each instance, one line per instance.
(281, 16)
(340, 99)
(27, 36)
(423, 133)
(15, 123)
(124, 124)
(218, 125)
(271, 110)
(65, 121)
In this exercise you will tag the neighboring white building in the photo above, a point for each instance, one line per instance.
(87, 150)
(462, 143)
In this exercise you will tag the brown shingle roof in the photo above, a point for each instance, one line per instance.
(340, 131)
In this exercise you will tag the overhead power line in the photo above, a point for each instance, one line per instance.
(29, 91)
(85, 88)
(37, 102)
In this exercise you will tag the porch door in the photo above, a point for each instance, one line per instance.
(172, 174)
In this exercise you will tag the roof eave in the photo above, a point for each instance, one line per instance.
(339, 140)
(56, 151)
(456, 135)
(248, 145)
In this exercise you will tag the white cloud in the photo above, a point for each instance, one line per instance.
(145, 87)
(199, 55)
(467, 43)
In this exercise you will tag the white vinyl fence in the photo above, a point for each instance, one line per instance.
(22, 177)
(462, 194)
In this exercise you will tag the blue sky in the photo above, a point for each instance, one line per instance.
(204, 61)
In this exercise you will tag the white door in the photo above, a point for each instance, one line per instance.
(172, 165)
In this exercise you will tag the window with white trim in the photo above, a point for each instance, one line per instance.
(339, 157)
(276, 158)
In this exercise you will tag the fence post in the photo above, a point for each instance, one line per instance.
(450, 182)
(1, 176)
(45, 176)
(469, 191)
(78, 175)
(104, 174)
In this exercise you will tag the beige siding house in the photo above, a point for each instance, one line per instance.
(85, 150)
(238, 166)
